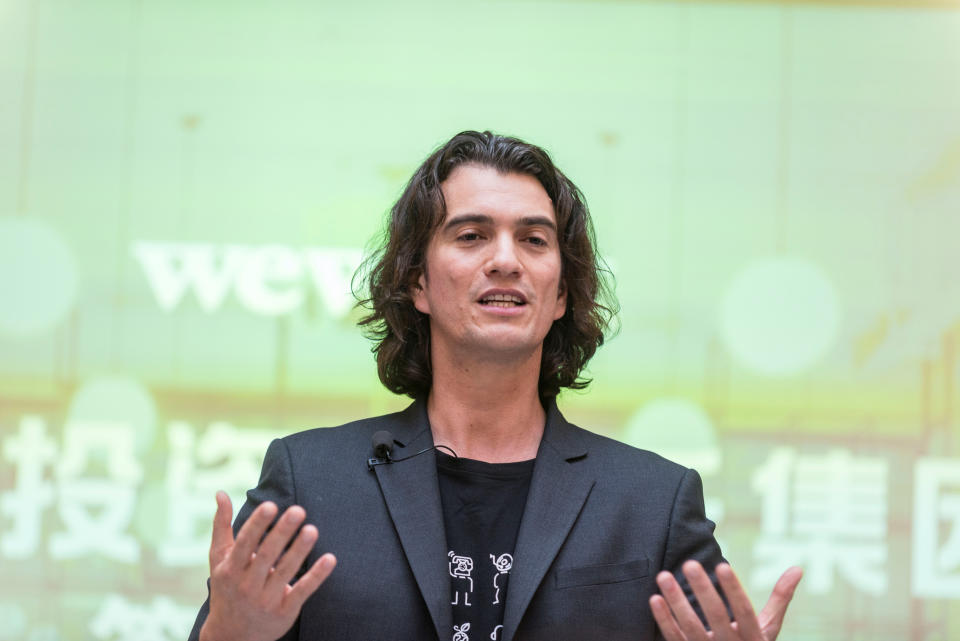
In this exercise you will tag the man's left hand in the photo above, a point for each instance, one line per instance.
(679, 622)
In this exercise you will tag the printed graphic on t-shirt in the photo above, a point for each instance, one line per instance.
(460, 632)
(460, 568)
(492, 581)
(502, 565)
(482, 508)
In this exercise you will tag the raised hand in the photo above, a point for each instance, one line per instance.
(250, 593)
(679, 622)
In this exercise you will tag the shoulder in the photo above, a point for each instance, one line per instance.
(353, 439)
(630, 483)
(627, 465)
(345, 433)
(324, 462)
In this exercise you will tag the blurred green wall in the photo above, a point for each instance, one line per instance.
(187, 188)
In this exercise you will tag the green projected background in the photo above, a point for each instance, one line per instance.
(187, 188)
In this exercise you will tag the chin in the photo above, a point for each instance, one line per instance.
(510, 346)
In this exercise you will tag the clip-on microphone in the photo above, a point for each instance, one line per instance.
(383, 450)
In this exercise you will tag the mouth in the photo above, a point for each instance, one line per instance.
(503, 300)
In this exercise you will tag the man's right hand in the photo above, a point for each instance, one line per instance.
(250, 593)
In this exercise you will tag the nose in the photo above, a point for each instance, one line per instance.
(504, 259)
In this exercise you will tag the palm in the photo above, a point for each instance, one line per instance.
(678, 621)
(250, 592)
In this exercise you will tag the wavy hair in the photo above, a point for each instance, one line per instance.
(390, 273)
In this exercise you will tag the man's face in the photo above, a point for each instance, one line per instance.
(492, 285)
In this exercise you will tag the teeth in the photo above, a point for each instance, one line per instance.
(502, 298)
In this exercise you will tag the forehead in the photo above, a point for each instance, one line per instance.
(476, 189)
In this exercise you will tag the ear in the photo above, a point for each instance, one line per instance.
(561, 308)
(419, 296)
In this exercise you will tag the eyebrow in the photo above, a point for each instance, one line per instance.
(483, 219)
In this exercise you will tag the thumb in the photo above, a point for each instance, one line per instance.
(222, 539)
(771, 617)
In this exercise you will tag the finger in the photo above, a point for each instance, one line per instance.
(771, 617)
(272, 546)
(248, 538)
(683, 612)
(710, 602)
(746, 619)
(664, 618)
(291, 561)
(309, 582)
(222, 538)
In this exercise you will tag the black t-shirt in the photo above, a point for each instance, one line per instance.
(482, 507)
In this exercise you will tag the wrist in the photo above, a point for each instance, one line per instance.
(209, 632)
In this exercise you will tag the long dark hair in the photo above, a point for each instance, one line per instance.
(401, 334)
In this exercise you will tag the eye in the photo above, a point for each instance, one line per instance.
(468, 236)
(539, 241)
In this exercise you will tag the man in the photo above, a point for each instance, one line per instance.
(485, 301)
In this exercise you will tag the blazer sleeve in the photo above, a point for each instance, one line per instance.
(690, 536)
(276, 484)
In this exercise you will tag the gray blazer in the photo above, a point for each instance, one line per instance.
(602, 519)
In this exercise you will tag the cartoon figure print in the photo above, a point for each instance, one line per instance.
(502, 564)
(460, 568)
(496, 630)
(460, 632)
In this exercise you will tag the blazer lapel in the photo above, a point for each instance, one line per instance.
(412, 495)
(558, 491)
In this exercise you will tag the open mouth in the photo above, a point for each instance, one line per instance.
(502, 300)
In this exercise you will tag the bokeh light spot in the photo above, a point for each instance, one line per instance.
(38, 277)
(123, 400)
(677, 429)
(14, 621)
(780, 316)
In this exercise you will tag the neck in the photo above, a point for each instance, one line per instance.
(485, 410)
